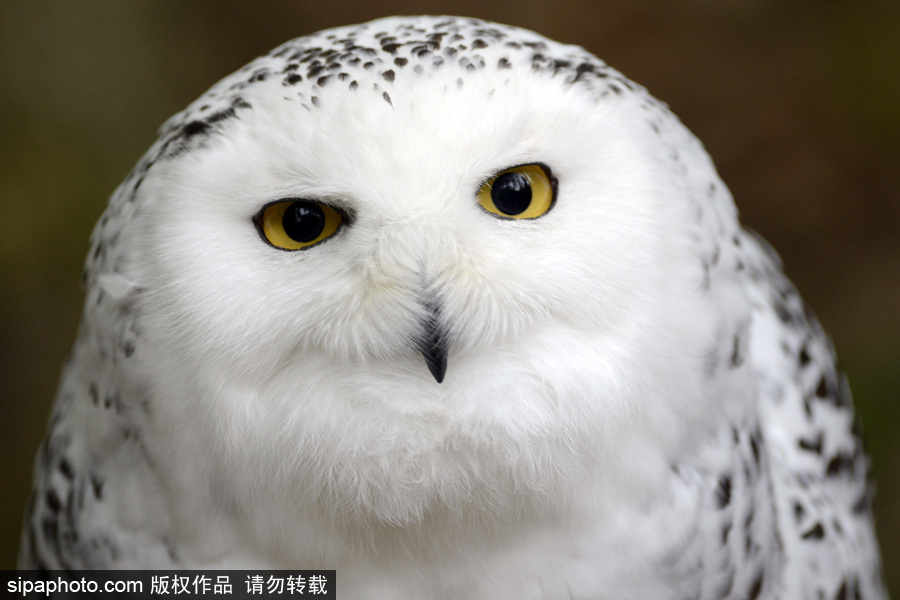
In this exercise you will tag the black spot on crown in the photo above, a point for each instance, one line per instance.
(815, 533)
(812, 445)
(193, 128)
(723, 491)
(756, 586)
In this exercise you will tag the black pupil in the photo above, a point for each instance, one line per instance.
(511, 193)
(303, 221)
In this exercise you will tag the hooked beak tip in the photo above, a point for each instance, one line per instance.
(436, 359)
(433, 343)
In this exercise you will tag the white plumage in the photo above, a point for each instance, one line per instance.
(318, 334)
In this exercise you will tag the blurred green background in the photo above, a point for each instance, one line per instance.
(798, 103)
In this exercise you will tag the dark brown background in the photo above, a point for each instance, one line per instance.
(798, 103)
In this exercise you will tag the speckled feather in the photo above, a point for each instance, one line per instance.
(762, 491)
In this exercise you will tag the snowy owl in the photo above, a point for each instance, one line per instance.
(458, 311)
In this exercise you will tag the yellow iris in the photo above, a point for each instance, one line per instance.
(297, 223)
(524, 192)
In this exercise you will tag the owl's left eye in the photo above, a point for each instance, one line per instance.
(524, 192)
(296, 224)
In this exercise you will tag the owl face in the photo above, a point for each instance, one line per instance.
(388, 293)
(409, 240)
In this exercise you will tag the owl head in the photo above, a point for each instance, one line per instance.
(416, 266)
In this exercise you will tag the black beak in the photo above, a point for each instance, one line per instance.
(433, 344)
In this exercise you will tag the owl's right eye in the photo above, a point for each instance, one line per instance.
(523, 192)
(296, 224)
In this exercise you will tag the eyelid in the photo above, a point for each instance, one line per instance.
(499, 172)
